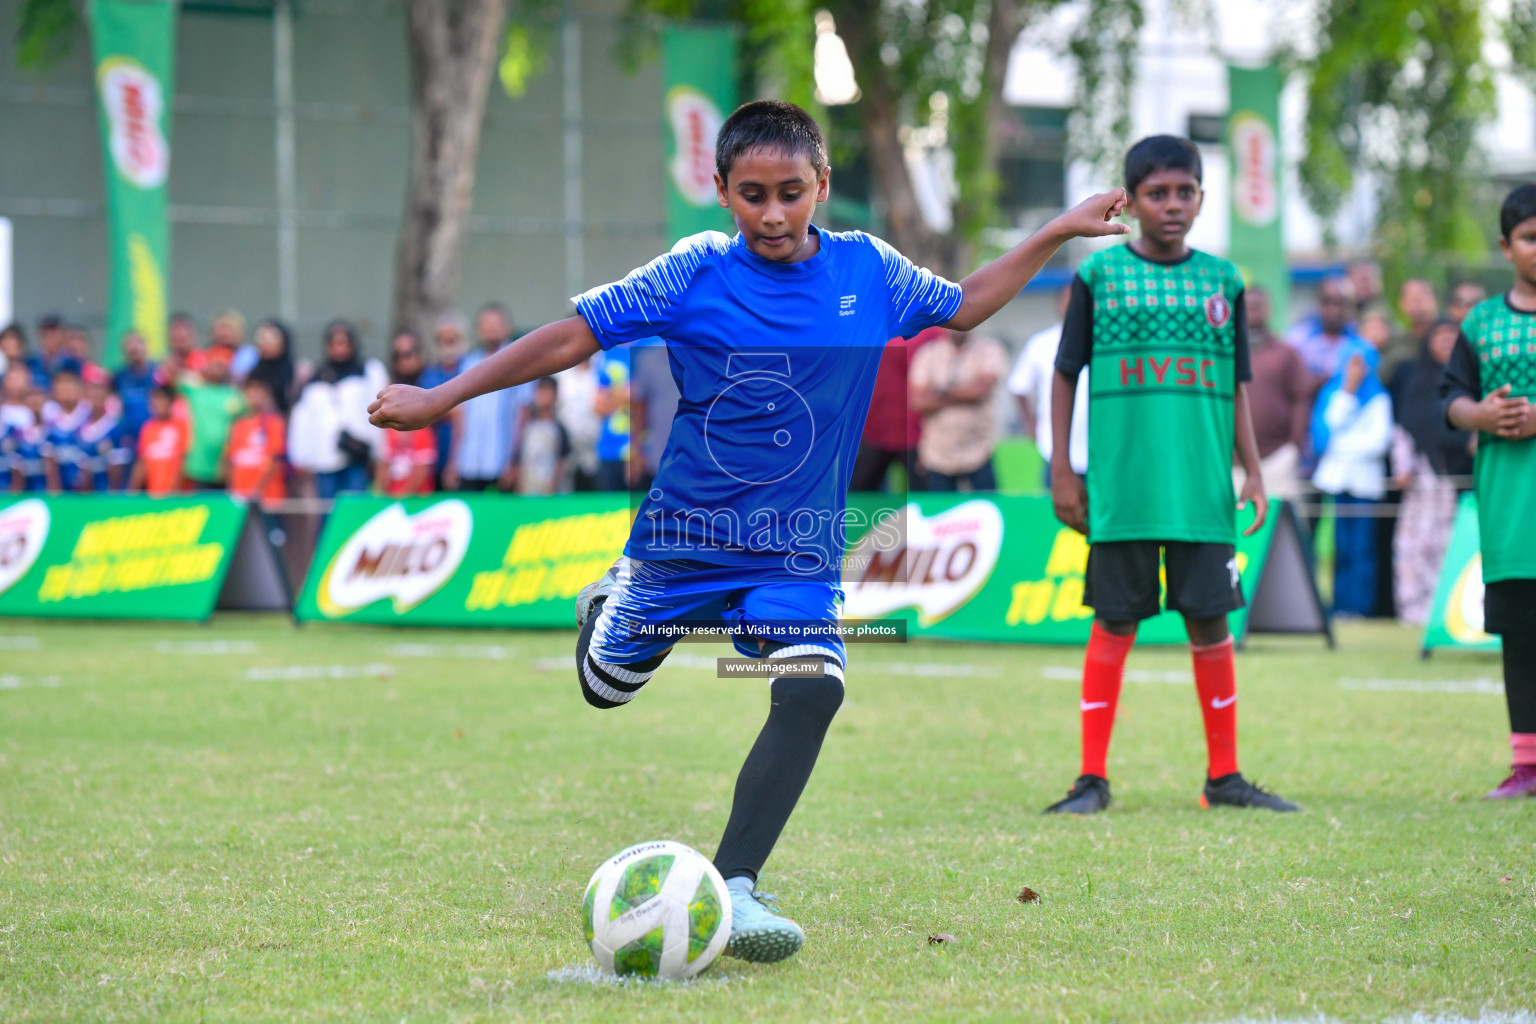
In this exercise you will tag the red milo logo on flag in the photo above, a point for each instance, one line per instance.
(134, 103)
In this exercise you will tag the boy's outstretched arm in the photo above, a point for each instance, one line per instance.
(1248, 454)
(539, 353)
(993, 286)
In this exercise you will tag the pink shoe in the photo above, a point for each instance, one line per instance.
(1521, 782)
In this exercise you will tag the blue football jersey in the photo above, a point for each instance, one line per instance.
(774, 364)
(29, 456)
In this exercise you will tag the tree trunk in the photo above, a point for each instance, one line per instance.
(858, 24)
(453, 47)
(978, 188)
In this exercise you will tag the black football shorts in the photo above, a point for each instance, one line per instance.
(1509, 606)
(1123, 585)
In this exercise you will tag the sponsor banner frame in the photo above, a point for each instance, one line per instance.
(131, 557)
(1456, 616)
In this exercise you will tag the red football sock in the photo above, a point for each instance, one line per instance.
(1216, 683)
(1103, 670)
(1522, 746)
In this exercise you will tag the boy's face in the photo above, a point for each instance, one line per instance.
(97, 394)
(258, 398)
(36, 399)
(544, 398)
(1166, 204)
(17, 382)
(159, 405)
(66, 390)
(1520, 249)
(216, 370)
(772, 196)
(10, 344)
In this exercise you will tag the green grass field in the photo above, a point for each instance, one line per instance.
(252, 821)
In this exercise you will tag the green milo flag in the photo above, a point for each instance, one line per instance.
(1456, 618)
(1253, 140)
(134, 44)
(698, 94)
(115, 557)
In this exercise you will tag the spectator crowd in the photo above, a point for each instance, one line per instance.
(1345, 406)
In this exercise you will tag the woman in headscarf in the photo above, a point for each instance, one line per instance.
(274, 347)
(1427, 458)
(330, 435)
(1351, 432)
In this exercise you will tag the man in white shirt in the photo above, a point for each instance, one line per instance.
(1030, 382)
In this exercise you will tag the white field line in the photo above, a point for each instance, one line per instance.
(264, 674)
(1074, 673)
(487, 652)
(593, 975)
(1492, 686)
(18, 682)
(207, 647)
(19, 643)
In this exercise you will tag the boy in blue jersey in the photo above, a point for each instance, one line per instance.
(775, 337)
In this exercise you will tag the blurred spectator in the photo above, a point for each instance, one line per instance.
(1321, 338)
(485, 428)
(274, 363)
(653, 399)
(63, 418)
(13, 344)
(1280, 397)
(14, 388)
(449, 339)
(1376, 329)
(1427, 454)
(227, 333)
(543, 444)
(1365, 278)
(893, 425)
(32, 469)
(952, 382)
(1420, 309)
(213, 404)
(162, 447)
(409, 464)
(78, 350)
(1351, 432)
(612, 407)
(255, 459)
(577, 412)
(107, 444)
(182, 355)
(50, 342)
(1463, 297)
(133, 381)
(329, 431)
(1030, 383)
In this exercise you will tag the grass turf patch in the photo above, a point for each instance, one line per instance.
(256, 821)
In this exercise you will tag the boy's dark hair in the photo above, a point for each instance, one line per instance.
(549, 382)
(259, 382)
(67, 371)
(1519, 205)
(769, 124)
(1161, 153)
(167, 392)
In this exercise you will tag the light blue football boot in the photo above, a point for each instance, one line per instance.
(759, 934)
(593, 593)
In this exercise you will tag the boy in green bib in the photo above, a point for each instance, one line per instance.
(1163, 329)
(1488, 386)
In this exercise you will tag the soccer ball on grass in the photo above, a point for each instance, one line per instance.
(657, 910)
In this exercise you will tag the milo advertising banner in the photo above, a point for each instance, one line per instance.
(134, 43)
(1456, 618)
(1253, 141)
(473, 560)
(130, 557)
(698, 93)
(1000, 567)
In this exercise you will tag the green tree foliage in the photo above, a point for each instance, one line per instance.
(1398, 88)
(46, 33)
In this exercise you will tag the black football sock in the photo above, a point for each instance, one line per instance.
(609, 686)
(777, 769)
(1520, 681)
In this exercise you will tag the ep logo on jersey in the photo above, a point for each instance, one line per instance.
(758, 429)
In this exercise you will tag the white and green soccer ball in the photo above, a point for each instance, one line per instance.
(657, 910)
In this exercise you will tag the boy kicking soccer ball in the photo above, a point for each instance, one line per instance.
(1164, 330)
(775, 337)
(1489, 383)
